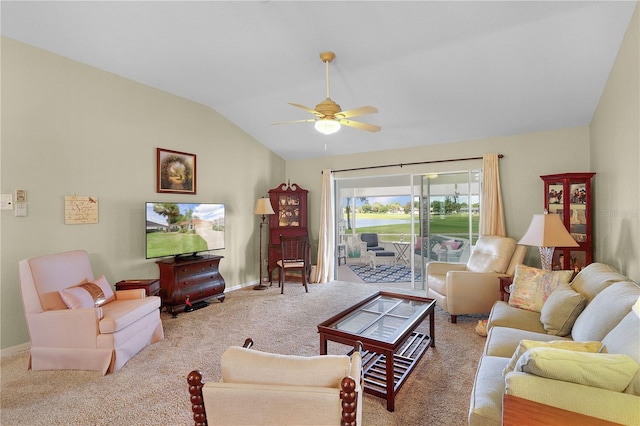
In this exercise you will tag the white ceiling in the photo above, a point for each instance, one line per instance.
(437, 71)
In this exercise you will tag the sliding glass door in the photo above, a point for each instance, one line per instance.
(448, 218)
(432, 216)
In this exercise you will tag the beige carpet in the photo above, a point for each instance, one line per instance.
(151, 388)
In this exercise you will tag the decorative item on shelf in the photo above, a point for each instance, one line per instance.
(547, 232)
(264, 208)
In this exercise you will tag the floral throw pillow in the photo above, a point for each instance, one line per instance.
(532, 286)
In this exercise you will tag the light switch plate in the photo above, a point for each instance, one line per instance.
(6, 202)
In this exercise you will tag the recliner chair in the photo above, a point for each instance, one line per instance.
(88, 335)
(473, 288)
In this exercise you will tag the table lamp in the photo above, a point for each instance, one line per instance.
(263, 207)
(547, 232)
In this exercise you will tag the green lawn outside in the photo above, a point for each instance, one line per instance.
(454, 224)
(166, 243)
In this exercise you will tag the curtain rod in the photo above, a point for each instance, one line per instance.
(412, 164)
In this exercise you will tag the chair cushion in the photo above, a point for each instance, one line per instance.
(241, 365)
(121, 313)
(384, 253)
(298, 264)
(370, 239)
(491, 254)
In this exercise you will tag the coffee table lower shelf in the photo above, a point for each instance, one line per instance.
(374, 365)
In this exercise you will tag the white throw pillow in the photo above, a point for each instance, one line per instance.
(88, 295)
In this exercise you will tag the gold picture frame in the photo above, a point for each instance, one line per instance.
(175, 171)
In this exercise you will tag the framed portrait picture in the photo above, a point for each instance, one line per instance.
(175, 172)
(578, 193)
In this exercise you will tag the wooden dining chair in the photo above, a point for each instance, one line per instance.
(295, 257)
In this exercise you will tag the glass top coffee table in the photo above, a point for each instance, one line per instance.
(386, 325)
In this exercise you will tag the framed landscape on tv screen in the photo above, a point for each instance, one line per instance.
(180, 229)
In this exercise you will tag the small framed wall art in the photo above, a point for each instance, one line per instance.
(175, 172)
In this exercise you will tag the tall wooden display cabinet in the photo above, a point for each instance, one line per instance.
(289, 202)
(569, 195)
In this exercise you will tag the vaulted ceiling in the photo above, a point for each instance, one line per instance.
(438, 71)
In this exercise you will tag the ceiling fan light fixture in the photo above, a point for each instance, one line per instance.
(327, 126)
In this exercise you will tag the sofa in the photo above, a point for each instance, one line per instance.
(579, 353)
(77, 321)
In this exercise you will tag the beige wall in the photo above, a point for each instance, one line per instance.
(615, 156)
(526, 157)
(71, 129)
(68, 128)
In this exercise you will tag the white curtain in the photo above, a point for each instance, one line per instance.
(492, 214)
(325, 264)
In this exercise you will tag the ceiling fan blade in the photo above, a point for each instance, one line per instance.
(310, 120)
(312, 111)
(356, 112)
(361, 126)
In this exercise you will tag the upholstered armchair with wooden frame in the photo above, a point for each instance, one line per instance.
(260, 388)
(473, 288)
(77, 322)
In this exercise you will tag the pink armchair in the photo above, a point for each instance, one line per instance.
(100, 338)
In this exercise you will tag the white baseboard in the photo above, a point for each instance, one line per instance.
(239, 286)
(15, 349)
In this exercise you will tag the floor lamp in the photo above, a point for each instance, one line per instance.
(263, 207)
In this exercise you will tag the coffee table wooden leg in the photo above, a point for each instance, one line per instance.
(391, 406)
(432, 328)
(323, 345)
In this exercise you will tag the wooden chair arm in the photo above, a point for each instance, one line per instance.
(349, 398)
(197, 402)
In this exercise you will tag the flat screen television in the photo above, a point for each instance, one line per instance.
(183, 230)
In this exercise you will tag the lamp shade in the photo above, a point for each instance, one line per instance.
(547, 230)
(263, 206)
(327, 126)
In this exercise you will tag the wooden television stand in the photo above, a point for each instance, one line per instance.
(194, 279)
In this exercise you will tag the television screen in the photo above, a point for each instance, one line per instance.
(175, 229)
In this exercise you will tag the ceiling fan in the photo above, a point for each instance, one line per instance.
(329, 115)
